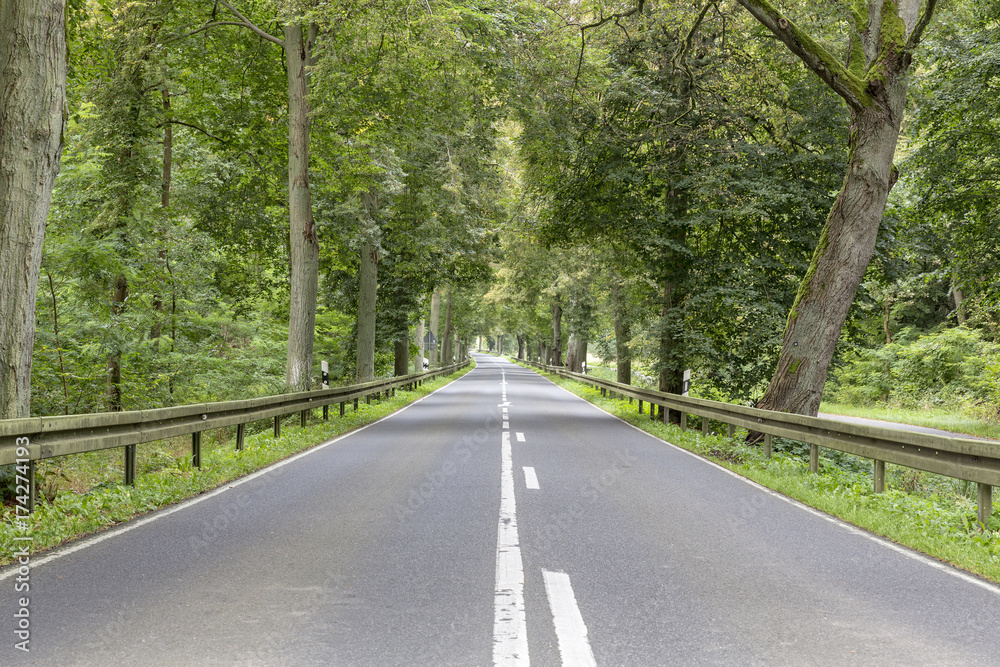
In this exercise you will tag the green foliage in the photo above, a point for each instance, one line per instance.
(949, 366)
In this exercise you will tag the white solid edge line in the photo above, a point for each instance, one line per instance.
(530, 478)
(571, 631)
(85, 542)
(878, 539)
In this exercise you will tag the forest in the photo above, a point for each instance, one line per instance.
(794, 202)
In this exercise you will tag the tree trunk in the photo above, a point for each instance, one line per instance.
(623, 334)
(435, 352)
(304, 244)
(447, 347)
(959, 296)
(114, 360)
(418, 361)
(556, 350)
(576, 353)
(520, 347)
(401, 354)
(165, 185)
(32, 105)
(838, 264)
(367, 293)
(671, 358)
(873, 83)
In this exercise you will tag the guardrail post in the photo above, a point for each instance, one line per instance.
(241, 435)
(640, 406)
(341, 408)
(129, 465)
(355, 403)
(664, 414)
(196, 449)
(704, 426)
(767, 444)
(684, 421)
(32, 487)
(879, 476)
(813, 458)
(277, 426)
(732, 430)
(326, 413)
(985, 504)
(368, 399)
(305, 415)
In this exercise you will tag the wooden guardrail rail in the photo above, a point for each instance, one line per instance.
(24, 441)
(961, 458)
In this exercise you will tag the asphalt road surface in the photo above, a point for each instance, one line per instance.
(500, 520)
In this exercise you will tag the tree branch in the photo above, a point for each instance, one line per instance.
(616, 17)
(195, 127)
(247, 23)
(918, 30)
(815, 57)
(203, 28)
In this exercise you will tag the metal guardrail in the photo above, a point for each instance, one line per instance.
(24, 441)
(961, 458)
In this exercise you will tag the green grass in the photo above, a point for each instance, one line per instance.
(926, 512)
(163, 478)
(929, 417)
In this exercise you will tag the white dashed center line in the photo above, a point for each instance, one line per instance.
(510, 635)
(530, 479)
(571, 631)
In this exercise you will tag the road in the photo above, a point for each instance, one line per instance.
(423, 540)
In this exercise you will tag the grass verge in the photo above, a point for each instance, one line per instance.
(930, 513)
(930, 418)
(165, 479)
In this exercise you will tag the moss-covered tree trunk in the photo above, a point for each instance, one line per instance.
(838, 265)
(873, 83)
(32, 102)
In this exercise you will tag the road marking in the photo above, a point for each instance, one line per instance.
(510, 635)
(506, 424)
(878, 539)
(520, 437)
(530, 478)
(571, 631)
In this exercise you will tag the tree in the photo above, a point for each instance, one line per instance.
(32, 104)
(299, 45)
(883, 36)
